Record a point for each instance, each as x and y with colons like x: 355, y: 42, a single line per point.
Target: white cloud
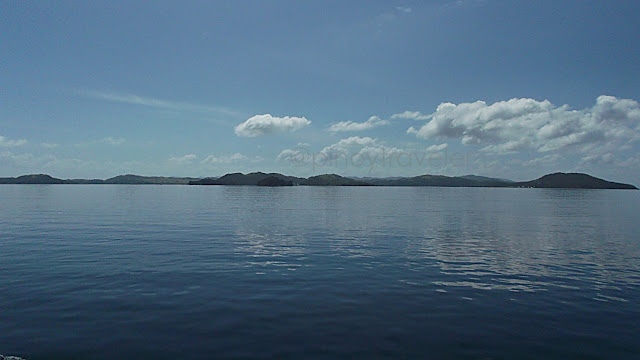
x: 266, y: 124
x: 546, y: 160
x: 357, y: 148
x: 598, y: 159
x: 49, y: 145
x: 293, y: 156
x: 456, y: 4
x: 438, y: 147
x: 404, y: 9
x: 155, y: 103
x: 346, y: 145
x: 412, y: 115
x: 518, y: 124
x: 373, y: 121
x: 4, y: 142
x: 186, y: 159
x: 224, y: 159
x: 113, y: 141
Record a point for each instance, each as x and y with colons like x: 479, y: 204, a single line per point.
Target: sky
x: 358, y: 88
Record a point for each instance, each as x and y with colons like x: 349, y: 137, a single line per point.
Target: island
x: 556, y: 180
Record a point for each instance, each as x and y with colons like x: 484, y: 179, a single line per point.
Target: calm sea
x: 187, y: 272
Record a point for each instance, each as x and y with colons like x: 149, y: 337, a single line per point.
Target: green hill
x: 130, y: 179
x: 572, y: 181
x: 274, y: 181
x: 32, y: 179
x: 245, y: 179
x: 557, y: 180
x: 334, y: 180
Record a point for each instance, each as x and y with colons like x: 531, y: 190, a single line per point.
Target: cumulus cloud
x: 598, y: 159
x: 224, y: 159
x: 546, y: 160
x: 345, y: 148
x: 186, y: 159
x: 357, y: 148
x: 5, y: 142
x: 373, y: 121
x: 438, y: 147
x: 266, y: 124
x: 412, y: 115
x: 520, y: 123
x: 346, y: 145
x: 113, y: 141
x: 293, y: 156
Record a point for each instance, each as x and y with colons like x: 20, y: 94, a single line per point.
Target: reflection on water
x: 326, y: 272
x: 559, y: 239
x: 270, y: 252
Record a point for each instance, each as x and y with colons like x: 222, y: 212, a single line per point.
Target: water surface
x: 166, y: 272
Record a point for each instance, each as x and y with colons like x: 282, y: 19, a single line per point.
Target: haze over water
x: 168, y: 272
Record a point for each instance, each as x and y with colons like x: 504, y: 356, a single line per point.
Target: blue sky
x: 498, y: 88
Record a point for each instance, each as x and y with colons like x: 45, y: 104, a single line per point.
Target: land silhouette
x: 555, y: 180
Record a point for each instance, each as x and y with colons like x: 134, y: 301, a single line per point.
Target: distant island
x: 120, y: 179
x: 556, y: 180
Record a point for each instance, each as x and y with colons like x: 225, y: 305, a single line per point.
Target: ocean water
x: 187, y: 272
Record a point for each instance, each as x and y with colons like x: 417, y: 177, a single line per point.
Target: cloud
x: 345, y: 148
x: 182, y: 160
x: 598, y: 159
x: 413, y: 115
x: 346, y: 145
x: 293, y: 156
x: 546, y: 160
x: 373, y: 121
x: 8, y: 158
x: 266, y: 124
x: 113, y: 141
x: 4, y: 142
x: 404, y: 9
x: 49, y: 145
x: 462, y: 3
x: 438, y: 147
x: 520, y: 123
x: 155, y: 103
x: 356, y: 148
x: 223, y: 159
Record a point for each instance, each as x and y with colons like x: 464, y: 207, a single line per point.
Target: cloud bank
x: 413, y: 115
x: 267, y: 124
x: 527, y: 124
x: 183, y: 160
x: 4, y: 142
x: 373, y: 121
x: 223, y: 159
x: 113, y: 141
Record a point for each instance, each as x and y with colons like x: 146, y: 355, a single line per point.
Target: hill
x: 440, y: 180
x: 334, y: 180
x: 258, y: 178
x: 485, y: 178
x: 121, y: 179
x: 245, y: 179
x: 557, y: 180
x: 572, y: 181
x: 274, y: 181
x: 32, y: 179
x: 130, y: 179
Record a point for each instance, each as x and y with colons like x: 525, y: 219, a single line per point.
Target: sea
x: 245, y: 272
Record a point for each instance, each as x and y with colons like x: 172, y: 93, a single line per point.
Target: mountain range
x: 556, y: 180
